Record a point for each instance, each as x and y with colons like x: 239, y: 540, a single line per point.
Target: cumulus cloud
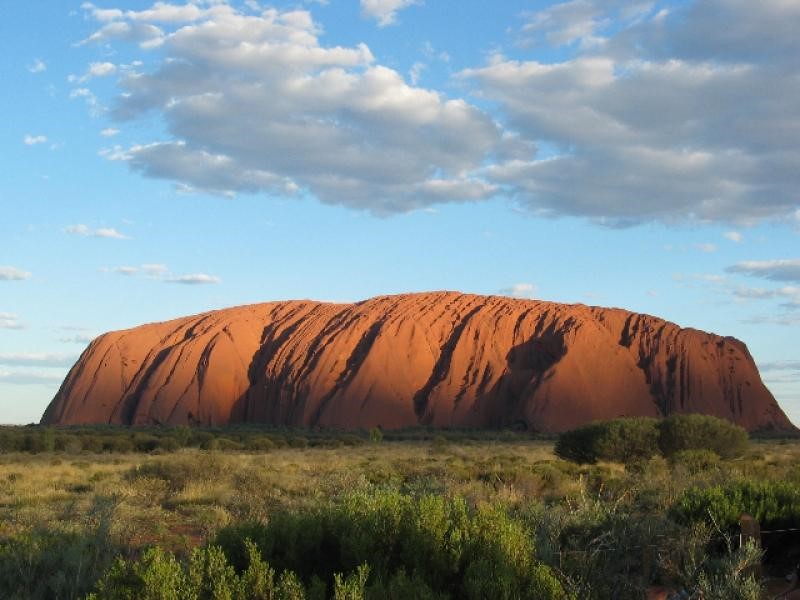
x: 706, y: 247
x: 10, y: 321
x: 109, y: 132
x: 581, y: 22
x: 37, y: 66
x: 652, y: 116
x: 786, y: 269
x: 102, y: 232
x: 13, y: 274
x: 33, y: 140
x: 194, y: 279
x: 385, y: 11
x: 256, y: 104
x: 519, y: 290
x: 96, y: 69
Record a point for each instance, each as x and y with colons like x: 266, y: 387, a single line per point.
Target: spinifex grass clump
x: 640, y: 438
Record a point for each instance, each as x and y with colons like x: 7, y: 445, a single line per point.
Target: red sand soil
x: 443, y: 359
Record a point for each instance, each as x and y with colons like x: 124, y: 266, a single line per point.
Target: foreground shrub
x: 158, y: 575
x: 620, y: 440
x: 431, y: 545
x: 771, y: 503
x: 43, y: 564
x: 701, y: 432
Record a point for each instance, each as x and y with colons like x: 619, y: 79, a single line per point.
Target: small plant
x: 375, y: 435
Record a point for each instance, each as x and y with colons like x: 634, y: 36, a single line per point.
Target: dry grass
x: 179, y: 499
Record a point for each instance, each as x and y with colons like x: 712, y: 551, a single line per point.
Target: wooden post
x: 751, y: 533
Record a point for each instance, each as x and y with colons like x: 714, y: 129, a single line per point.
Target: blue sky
x: 165, y: 159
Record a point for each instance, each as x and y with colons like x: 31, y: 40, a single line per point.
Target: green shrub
x: 221, y: 444
x: 352, y: 586
x: 158, y: 575
x: 51, y: 564
x: 695, y: 461
x: 448, y: 550
x: 640, y: 438
x: 772, y: 504
x: 375, y: 435
x: 259, y: 444
x: 620, y: 440
x: 701, y: 432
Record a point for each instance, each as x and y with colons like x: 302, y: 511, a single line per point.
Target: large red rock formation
x: 443, y: 359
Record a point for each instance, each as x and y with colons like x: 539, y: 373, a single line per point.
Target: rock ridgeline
x: 439, y: 359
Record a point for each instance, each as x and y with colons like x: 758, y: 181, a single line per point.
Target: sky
x: 160, y: 160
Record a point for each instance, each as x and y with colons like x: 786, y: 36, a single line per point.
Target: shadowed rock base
x: 442, y: 359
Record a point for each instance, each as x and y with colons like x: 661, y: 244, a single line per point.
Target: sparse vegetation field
x: 253, y: 513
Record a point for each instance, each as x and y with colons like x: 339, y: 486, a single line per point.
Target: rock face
x: 442, y: 359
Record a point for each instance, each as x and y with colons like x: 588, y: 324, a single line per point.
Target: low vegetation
x: 418, y: 514
x: 631, y: 439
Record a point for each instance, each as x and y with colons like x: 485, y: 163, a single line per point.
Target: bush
x: 259, y: 444
x: 695, y: 461
x: 158, y: 575
x: 772, y: 504
x: 701, y: 432
x: 620, y: 440
x: 375, y: 435
x: 448, y: 550
x: 42, y: 564
x: 640, y: 438
x: 222, y: 444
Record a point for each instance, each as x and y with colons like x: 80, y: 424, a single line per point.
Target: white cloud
x: 10, y: 321
x: 255, y: 104
x: 78, y: 338
x: 780, y: 365
x: 33, y: 140
x: 12, y: 274
x: 194, y: 279
x: 385, y: 11
x: 37, y: 66
x: 101, y: 69
x: 581, y: 22
x: 161, y: 272
x: 37, y: 359
x: 109, y: 132
x: 155, y: 270
x: 30, y: 378
x: 415, y: 72
x: 787, y: 269
x: 102, y: 232
x: 652, y: 116
x: 733, y: 236
x: 520, y: 290
x: 125, y: 270
x: 706, y: 247
x: 785, y: 320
